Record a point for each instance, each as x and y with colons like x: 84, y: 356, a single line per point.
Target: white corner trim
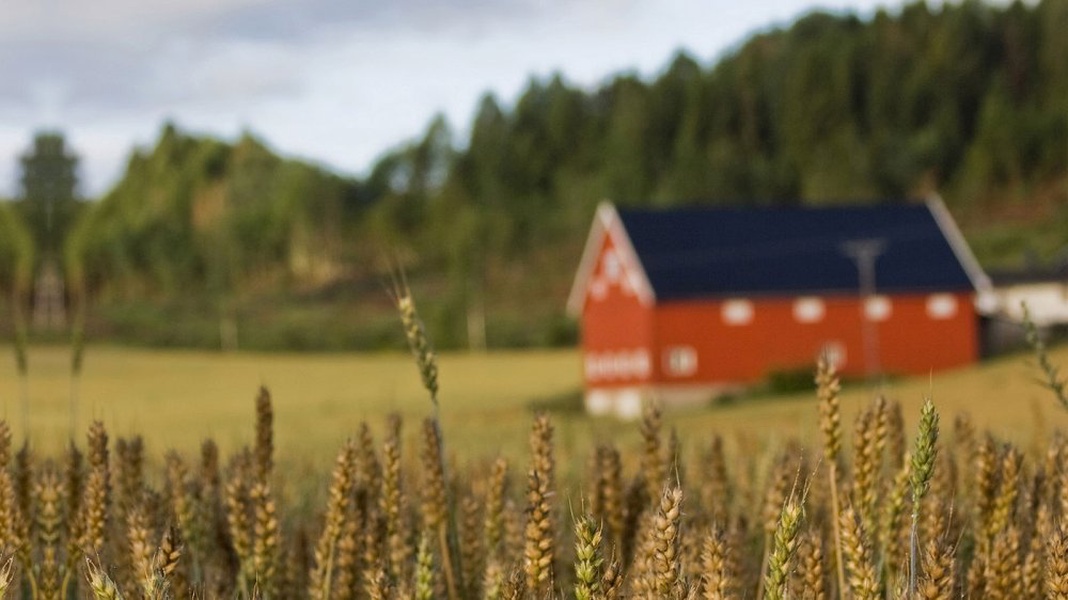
x: 980, y: 280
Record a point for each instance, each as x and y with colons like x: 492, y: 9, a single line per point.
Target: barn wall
x: 614, y: 318
x: 928, y: 344
x: 775, y: 338
x: 616, y: 335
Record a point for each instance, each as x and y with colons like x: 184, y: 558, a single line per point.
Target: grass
x: 178, y: 398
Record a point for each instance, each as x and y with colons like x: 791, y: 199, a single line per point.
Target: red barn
x: 685, y: 304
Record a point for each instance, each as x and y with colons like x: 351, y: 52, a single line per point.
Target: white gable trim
x: 980, y: 280
x: 606, y: 222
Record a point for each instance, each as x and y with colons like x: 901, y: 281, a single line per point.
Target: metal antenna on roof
x: 864, y: 253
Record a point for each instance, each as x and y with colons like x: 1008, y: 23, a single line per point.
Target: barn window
x: 612, y: 267
x: 941, y: 306
x: 808, y: 310
x: 737, y: 312
x: 639, y: 364
x: 681, y: 361
x: 877, y: 308
x: 623, y: 364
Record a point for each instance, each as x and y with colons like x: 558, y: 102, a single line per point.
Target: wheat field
x: 187, y: 479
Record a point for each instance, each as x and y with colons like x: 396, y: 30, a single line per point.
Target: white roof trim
x: 594, y: 240
x: 980, y: 280
x: 606, y: 222
x: 646, y: 294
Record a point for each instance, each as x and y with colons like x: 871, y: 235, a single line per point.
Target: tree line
x: 968, y: 99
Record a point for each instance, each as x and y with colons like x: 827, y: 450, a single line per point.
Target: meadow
x: 176, y: 399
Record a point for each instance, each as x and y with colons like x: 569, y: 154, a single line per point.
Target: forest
x: 205, y: 242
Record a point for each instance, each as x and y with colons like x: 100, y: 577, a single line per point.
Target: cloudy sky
x: 335, y: 81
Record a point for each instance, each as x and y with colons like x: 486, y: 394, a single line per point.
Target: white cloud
x: 338, y: 81
x: 113, y: 20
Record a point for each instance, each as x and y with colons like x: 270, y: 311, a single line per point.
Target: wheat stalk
x: 827, y: 389
x: 667, y: 556
x: 1003, y: 576
x: 426, y: 361
x: 418, y: 341
x: 424, y: 570
x: 811, y: 570
x: 47, y: 494
x: 265, y: 548
x: 922, y: 465
x: 784, y: 546
x: 653, y: 470
x: 165, y: 564
x: 471, y: 550
x: 1057, y: 564
x: 341, y: 489
x: 717, y: 571
x: 716, y: 489
x: 1052, y: 378
x: 939, y: 574
x: 264, y: 448
x: 94, y: 508
x: 539, y: 546
x: 610, y: 492
x: 865, y: 444
x: 391, y: 500
x: 102, y: 586
x: 7, y: 575
x: 588, y: 559
x: 1008, y: 491
x: 858, y: 558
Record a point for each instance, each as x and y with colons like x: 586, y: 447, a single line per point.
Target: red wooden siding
x: 917, y: 344
x: 910, y: 340
x: 616, y: 325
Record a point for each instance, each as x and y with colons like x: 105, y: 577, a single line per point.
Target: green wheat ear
x: 784, y: 546
x: 418, y: 340
x: 922, y: 465
x: 923, y: 456
x: 588, y: 559
x: 1051, y: 373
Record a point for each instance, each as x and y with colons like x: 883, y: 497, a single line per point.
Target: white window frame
x: 809, y: 309
x: 878, y: 308
x: 680, y: 361
x: 738, y: 311
x: 942, y: 307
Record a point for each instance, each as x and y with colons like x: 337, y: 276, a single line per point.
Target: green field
x: 178, y: 398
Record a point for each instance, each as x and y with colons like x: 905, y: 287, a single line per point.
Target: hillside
x: 967, y: 99
x: 196, y: 210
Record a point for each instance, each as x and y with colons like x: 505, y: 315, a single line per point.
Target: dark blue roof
x: 770, y: 251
